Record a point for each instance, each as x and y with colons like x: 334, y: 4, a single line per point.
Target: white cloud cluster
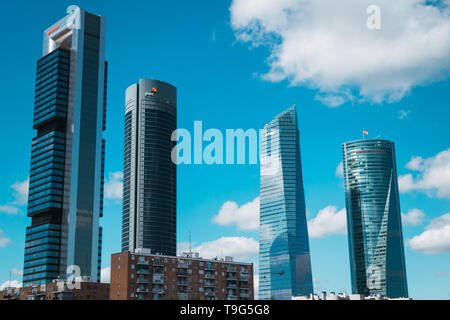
x: 105, y: 275
x: 114, y: 186
x: 8, y: 209
x: 20, y: 194
x: 10, y: 284
x: 433, y: 175
x: 329, y: 221
x: 245, y: 217
x: 414, y: 217
x: 326, y: 45
x: 16, y: 272
x: 240, y: 248
x: 403, y: 114
x: 4, y: 241
x: 340, y: 170
x: 436, y: 237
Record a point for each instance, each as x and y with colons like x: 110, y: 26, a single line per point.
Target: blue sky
x: 230, y: 75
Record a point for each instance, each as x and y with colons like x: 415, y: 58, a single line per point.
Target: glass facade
x: 150, y: 176
x: 284, y: 256
x: 67, y: 157
x: 377, y: 258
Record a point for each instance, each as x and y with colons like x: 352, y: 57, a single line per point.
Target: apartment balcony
x: 183, y: 296
x: 232, y: 285
x: 210, y: 268
x: 231, y: 269
x: 142, y: 290
x: 210, y: 293
x: 244, y: 295
x: 232, y: 297
x: 182, y: 266
x: 182, y: 284
x: 158, y: 271
x: 231, y: 277
x: 209, y: 276
x: 143, y: 271
x: 210, y: 284
x: 244, y: 278
x: 143, y: 263
x: 158, y: 262
x: 142, y: 280
x: 158, y: 291
x: 158, y: 281
x: 182, y: 274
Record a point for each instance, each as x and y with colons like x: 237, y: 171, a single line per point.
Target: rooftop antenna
x: 190, y: 242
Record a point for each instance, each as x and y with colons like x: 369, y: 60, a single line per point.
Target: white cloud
x: 10, y: 284
x: 326, y: 45
x: 114, y: 186
x: 329, y: 221
x: 414, y: 217
x: 340, y: 170
x: 240, y: 248
x: 8, y: 209
x: 433, y: 175
x: 16, y: 272
x: 436, y: 237
x: 415, y: 164
x: 402, y: 114
x: 4, y: 241
x: 21, y: 192
x: 105, y: 275
x: 245, y: 217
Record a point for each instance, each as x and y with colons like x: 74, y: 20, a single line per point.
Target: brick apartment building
x: 55, y: 291
x: 141, y: 275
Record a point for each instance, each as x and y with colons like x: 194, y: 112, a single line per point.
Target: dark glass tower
x: 284, y: 258
x: 150, y: 176
x: 67, y: 158
x: 377, y: 259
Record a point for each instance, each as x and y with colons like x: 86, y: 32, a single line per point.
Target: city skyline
x: 239, y: 98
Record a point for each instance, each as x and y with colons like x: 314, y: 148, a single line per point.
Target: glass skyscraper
x: 284, y: 258
x: 67, y: 157
x: 149, y: 175
x: 377, y: 259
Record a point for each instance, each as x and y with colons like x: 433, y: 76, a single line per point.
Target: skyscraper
x: 284, y: 258
x: 150, y: 176
x: 67, y: 157
x: 377, y: 259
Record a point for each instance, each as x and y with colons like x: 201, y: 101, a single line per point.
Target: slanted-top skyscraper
x: 284, y: 258
x: 149, y: 175
x: 67, y: 157
x: 377, y: 259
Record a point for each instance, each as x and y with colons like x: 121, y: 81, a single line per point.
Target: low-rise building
x: 344, y: 296
x: 59, y: 290
x: 140, y: 275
